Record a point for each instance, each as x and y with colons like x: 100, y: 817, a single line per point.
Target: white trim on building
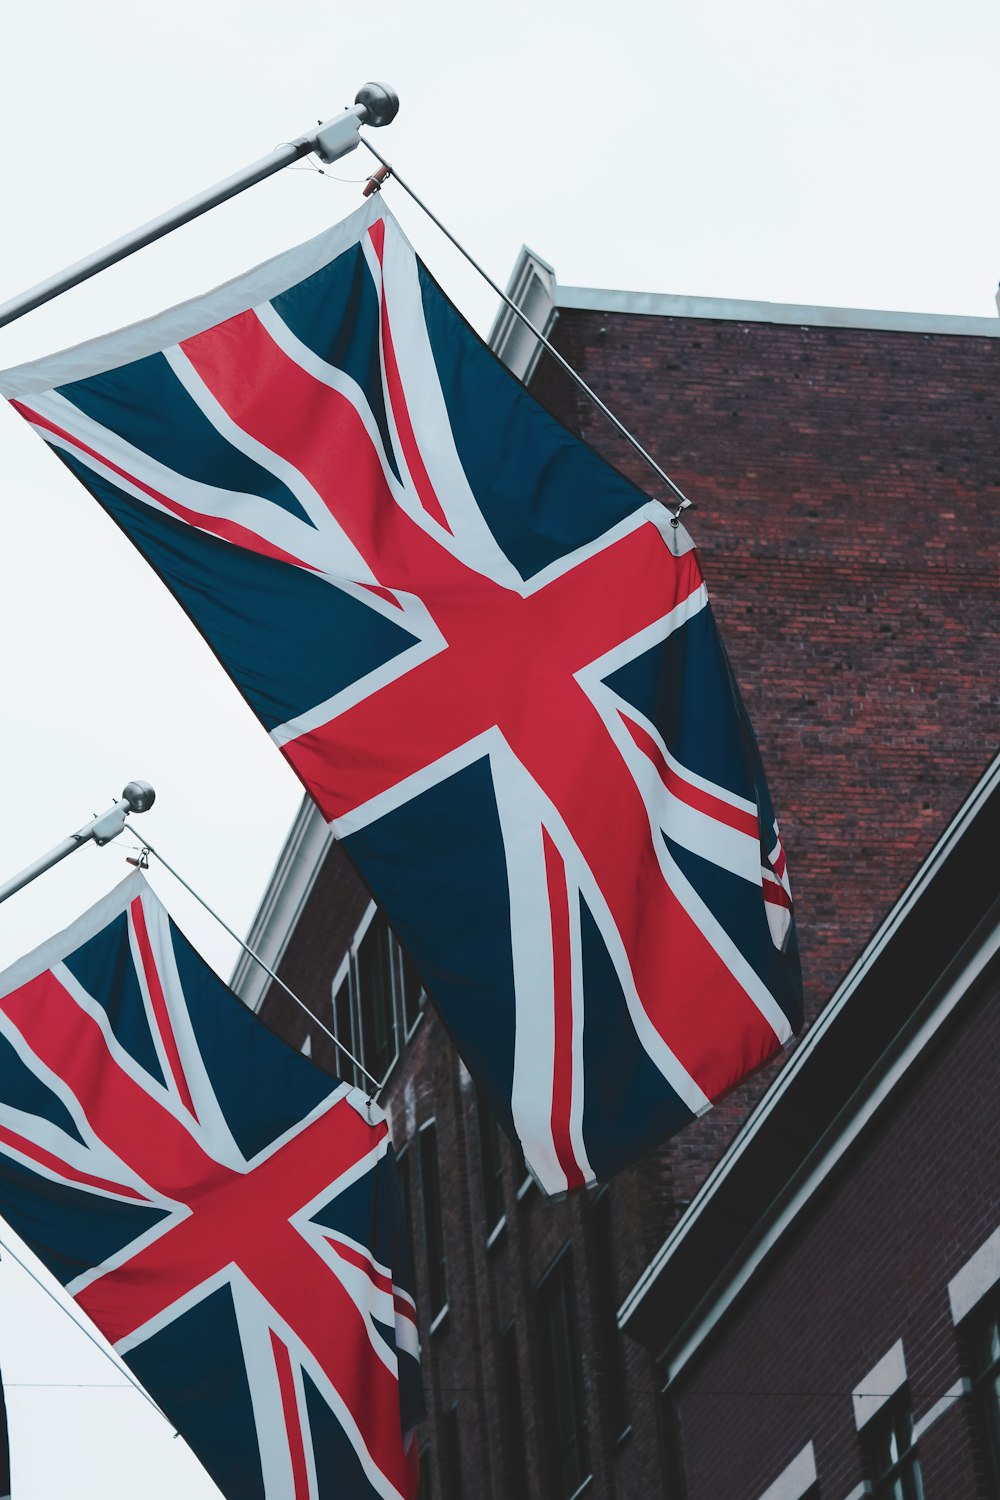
x: 978, y: 1276
x: 796, y: 1478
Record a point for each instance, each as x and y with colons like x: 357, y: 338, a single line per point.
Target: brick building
x: 831, y: 1301
x: 845, y: 474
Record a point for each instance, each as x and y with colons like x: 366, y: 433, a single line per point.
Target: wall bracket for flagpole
x: 137, y: 797
x: 375, y: 104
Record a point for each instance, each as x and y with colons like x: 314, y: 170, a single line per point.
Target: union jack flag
x: 491, y: 661
x: 226, y: 1213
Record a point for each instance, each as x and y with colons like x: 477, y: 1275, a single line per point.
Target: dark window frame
x: 342, y: 1019
x: 411, y: 1011
x: 426, y: 1491
x: 568, y: 1457
x: 450, y: 1454
x: 513, y: 1446
x: 523, y: 1180
x: 375, y: 930
x: 609, y: 1342
x: 890, y: 1452
x: 980, y: 1335
x: 490, y: 1169
x: 352, y: 1019
x: 404, y: 1172
x: 435, y: 1255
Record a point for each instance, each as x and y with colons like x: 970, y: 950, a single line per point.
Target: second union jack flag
x: 226, y: 1213
x: 491, y: 661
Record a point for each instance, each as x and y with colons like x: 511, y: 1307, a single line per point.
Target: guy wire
x: 682, y: 501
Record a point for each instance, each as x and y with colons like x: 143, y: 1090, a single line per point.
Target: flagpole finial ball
x: 139, y: 795
x: 381, y: 102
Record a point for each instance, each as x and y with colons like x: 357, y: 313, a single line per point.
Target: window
x: 375, y: 982
x: 609, y: 1339
x: 984, y: 1349
x: 564, y: 1412
x: 491, y: 1163
x: 343, y: 1025
x: 512, y: 1456
x: 451, y: 1455
x: 891, y: 1460
x: 377, y: 994
x: 406, y: 1189
x: 426, y: 1479
x: 522, y: 1177
x: 413, y: 992
x: 430, y: 1187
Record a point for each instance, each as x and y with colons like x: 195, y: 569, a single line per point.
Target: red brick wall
x: 846, y: 485
x: 847, y: 492
x: 869, y: 1265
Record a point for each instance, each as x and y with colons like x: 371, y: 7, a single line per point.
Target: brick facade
x: 847, y: 491
x: 871, y: 1265
x: 847, y: 487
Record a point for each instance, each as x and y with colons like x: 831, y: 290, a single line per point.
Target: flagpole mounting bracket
x: 375, y: 104
x: 138, y: 797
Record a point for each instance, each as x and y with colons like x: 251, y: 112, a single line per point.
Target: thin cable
x: 377, y: 1087
x: 682, y: 500
x: 122, y: 1369
x: 69, y: 1385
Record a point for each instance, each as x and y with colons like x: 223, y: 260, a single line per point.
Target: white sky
x: 822, y: 151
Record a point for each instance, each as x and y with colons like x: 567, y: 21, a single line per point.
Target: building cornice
x: 287, y: 891
x: 731, y: 310
x: 532, y: 288
x: 536, y: 291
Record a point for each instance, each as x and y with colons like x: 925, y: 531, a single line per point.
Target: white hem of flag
x: 153, y: 335
x: 86, y: 926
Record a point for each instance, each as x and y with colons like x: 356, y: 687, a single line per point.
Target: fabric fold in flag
x: 226, y: 1213
x: 490, y: 659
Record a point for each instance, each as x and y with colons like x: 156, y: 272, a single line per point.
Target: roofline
x: 285, y: 895
x: 726, y: 309
x: 534, y: 288
x: 778, y: 1214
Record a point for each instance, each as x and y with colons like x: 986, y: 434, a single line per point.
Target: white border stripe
x: 267, y: 280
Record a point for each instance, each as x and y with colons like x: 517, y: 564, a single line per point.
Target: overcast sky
x: 793, y: 150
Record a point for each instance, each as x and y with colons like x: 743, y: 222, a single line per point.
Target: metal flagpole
x: 375, y: 104
x: 137, y: 797
x: 148, y: 848
x: 683, y: 503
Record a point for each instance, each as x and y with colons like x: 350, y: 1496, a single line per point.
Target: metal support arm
x: 376, y: 104
x: 137, y: 797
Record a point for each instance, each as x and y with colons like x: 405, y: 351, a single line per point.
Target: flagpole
x: 375, y: 185
x: 375, y: 104
x: 137, y: 797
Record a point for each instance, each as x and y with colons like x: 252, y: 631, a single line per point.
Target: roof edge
x: 290, y: 884
x: 733, y: 310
